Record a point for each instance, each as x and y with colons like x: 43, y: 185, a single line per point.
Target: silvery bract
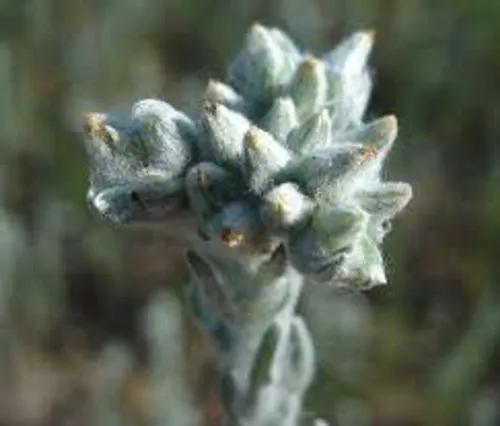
x: 282, y: 176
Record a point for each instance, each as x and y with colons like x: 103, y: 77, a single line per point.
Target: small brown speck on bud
x: 367, y: 153
x: 309, y: 65
x: 231, y: 238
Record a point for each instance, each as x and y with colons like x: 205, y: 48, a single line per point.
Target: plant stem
x: 264, y: 351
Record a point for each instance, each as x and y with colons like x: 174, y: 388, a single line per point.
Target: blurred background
x: 93, y: 324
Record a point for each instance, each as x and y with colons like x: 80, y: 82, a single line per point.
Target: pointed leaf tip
x: 386, y: 127
x: 218, y: 92
x: 367, y: 38
x: 377, y: 135
x: 351, y: 55
x: 386, y: 199
x: 258, y: 30
x: 96, y: 127
x: 363, y: 267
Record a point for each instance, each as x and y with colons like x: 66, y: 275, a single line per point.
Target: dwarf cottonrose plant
x: 275, y: 185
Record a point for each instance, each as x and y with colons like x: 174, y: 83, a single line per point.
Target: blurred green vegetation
x: 74, y: 346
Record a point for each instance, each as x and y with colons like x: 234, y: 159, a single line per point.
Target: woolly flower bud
x: 349, y: 80
x: 280, y: 119
x: 324, y: 241
x: 264, y: 65
x: 309, y: 87
x: 114, y: 152
x: 166, y: 133
x: 351, y: 54
x: 265, y: 157
x: 287, y: 46
x: 330, y: 173
x: 209, y: 187
x: 314, y: 134
x: 225, y: 130
x: 348, y: 99
x: 220, y: 93
x: 285, y: 206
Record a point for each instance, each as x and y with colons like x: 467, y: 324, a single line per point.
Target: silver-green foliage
x: 281, y: 176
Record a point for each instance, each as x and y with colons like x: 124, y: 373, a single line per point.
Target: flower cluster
x: 279, y: 156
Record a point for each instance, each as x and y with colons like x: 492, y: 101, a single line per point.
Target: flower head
x: 279, y: 156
